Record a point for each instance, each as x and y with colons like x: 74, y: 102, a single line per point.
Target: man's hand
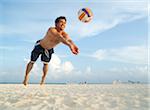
x: 74, y: 49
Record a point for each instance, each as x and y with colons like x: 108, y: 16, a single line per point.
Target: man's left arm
x: 68, y: 39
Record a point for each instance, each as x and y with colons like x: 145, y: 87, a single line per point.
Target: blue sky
x: 113, y: 46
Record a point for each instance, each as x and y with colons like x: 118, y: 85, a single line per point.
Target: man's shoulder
x: 65, y: 35
x: 52, y: 29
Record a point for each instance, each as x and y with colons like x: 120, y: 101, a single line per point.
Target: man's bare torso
x: 50, y: 40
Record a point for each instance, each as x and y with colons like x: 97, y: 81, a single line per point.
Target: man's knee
x: 45, y: 63
x: 45, y: 66
x: 31, y: 63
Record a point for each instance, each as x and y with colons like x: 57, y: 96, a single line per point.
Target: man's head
x: 60, y: 22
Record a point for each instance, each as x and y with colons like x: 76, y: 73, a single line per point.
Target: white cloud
x: 64, y: 70
x: 67, y: 67
x: 130, y: 54
x: 109, y: 16
x: 100, y: 54
x: 140, y: 70
x: 59, y: 68
x: 88, y: 70
x: 55, y: 63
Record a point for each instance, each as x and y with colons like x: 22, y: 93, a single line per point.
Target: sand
x: 74, y: 97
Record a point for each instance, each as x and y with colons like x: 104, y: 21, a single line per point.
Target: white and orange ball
x: 85, y: 15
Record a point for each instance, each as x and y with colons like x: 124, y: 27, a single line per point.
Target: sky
x: 113, y: 46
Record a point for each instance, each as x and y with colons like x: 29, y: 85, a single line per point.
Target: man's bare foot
x: 42, y: 83
x: 25, y: 83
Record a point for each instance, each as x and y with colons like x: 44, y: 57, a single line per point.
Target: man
x: 44, y: 47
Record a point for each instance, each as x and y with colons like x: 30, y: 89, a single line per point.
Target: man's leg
x: 28, y: 69
x: 45, y: 70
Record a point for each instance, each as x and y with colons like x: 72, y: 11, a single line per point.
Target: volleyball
x: 85, y: 15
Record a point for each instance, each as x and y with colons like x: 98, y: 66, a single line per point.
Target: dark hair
x: 58, y: 18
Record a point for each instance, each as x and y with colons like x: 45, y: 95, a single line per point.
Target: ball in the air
x: 85, y: 15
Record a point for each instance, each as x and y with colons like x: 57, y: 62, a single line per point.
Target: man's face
x: 61, y: 24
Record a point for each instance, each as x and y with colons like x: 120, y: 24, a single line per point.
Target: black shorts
x: 39, y: 50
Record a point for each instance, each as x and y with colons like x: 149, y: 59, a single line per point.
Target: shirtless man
x: 44, y: 47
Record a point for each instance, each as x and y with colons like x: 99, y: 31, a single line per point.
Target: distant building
x: 116, y: 82
x: 133, y: 82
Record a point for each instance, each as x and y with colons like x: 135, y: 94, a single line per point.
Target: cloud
x: 109, y: 16
x: 136, y: 69
x: 133, y: 73
x: 88, y: 70
x: 100, y: 54
x: 136, y: 72
x: 66, y: 71
x: 129, y: 54
x: 67, y: 67
x: 59, y: 68
x: 55, y: 64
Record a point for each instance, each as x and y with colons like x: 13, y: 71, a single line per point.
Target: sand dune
x: 74, y: 97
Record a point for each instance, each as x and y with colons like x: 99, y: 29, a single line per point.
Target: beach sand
x: 74, y: 97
